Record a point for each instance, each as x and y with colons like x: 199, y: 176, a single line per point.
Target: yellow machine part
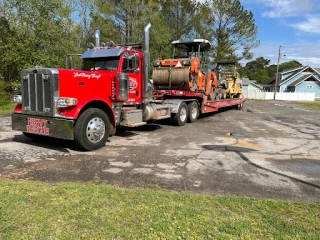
x: 234, y: 87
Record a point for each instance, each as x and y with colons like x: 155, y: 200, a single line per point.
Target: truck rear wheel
x: 91, y: 131
x: 180, y: 118
x: 193, y: 112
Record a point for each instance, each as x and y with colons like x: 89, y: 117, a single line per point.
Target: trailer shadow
x: 225, y: 109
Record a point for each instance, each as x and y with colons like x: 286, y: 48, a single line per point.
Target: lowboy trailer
x: 112, y: 89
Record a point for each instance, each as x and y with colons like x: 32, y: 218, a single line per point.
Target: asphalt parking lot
x: 270, y: 150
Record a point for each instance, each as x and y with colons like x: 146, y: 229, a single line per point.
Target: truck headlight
x: 17, y: 99
x: 66, y: 102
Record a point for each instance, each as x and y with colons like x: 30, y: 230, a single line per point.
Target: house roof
x: 254, y: 83
x: 294, y: 72
x: 271, y: 80
x: 245, y: 81
x: 302, y: 79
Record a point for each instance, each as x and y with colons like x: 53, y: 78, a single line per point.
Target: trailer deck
x: 207, y: 106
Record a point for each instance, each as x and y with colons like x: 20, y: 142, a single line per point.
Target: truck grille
x: 37, y: 92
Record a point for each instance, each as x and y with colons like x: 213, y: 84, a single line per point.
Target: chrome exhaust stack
x: 146, y: 66
x: 97, y: 38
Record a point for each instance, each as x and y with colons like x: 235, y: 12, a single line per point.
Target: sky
x: 293, y: 24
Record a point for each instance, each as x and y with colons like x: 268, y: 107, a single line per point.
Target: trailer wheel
x: 92, y: 129
x: 240, y: 107
x: 180, y: 118
x: 193, y: 112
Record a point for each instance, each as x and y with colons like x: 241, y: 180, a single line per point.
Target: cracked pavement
x: 270, y: 150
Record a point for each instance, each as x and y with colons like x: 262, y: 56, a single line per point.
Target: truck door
x: 132, y: 65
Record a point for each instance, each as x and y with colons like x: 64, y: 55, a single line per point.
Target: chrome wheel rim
x: 183, y: 114
x: 95, y: 130
x: 194, y: 112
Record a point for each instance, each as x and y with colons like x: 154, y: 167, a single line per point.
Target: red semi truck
x: 112, y: 89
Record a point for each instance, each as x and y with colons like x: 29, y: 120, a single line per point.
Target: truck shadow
x: 59, y: 145
x: 129, y: 132
x: 66, y: 145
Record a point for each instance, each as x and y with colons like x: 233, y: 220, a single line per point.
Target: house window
x: 309, y: 86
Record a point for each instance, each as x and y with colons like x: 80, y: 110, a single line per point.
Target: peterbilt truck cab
x: 86, y: 105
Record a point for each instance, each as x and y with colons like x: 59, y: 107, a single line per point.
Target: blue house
x: 302, y: 79
x: 251, y: 85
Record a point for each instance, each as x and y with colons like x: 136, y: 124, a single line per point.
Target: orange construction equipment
x: 186, y: 71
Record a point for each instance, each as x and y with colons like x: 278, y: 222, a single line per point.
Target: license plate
x: 38, y: 126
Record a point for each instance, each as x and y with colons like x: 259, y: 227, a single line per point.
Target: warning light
x: 178, y: 65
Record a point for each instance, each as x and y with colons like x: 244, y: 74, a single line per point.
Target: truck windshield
x: 107, y: 63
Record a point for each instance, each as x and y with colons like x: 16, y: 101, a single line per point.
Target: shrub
x: 5, y: 96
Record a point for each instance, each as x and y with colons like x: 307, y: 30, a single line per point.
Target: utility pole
x: 276, y: 82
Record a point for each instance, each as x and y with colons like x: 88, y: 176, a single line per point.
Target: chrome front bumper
x: 46, y: 126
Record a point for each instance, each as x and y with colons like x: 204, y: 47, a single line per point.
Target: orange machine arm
x: 212, y: 81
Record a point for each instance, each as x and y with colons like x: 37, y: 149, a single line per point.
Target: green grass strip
x: 31, y: 210
x: 308, y: 104
x: 8, y: 108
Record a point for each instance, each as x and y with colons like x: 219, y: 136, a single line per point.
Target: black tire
x: 193, y: 112
x: 240, y: 107
x: 91, y: 131
x: 180, y: 118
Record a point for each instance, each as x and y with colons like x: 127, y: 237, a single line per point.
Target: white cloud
x: 305, y: 53
x: 311, y: 25
x: 287, y: 8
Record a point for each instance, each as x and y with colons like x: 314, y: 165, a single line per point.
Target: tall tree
x: 257, y: 69
x: 233, y: 29
x: 124, y: 21
x: 289, y: 65
x: 38, y: 33
x: 182, y: 16
x: 43, y: 37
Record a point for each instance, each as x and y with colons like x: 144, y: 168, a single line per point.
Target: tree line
x: 261, y: 70
x: 42, y: 32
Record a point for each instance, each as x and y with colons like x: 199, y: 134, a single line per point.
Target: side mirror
x: 137, y: 70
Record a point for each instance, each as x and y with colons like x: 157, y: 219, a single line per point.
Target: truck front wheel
x: 91, y: 131
x: 180, y: 118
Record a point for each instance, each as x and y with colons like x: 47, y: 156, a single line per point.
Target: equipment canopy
x: 191, y: 46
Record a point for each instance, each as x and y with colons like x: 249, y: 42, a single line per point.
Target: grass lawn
x: 32, y: 210
x: 8, y: 108
x: 308, y: 104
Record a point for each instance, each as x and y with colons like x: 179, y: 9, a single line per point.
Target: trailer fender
x: 174, y: 104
